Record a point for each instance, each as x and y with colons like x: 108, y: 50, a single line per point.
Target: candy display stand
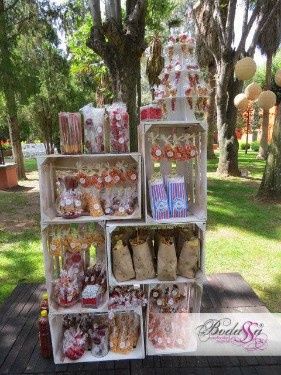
x: 172, y: 150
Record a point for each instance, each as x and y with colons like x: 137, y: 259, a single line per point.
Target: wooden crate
x: 112, y: 228
x: 56, y: 328
x: 48, y: 165
x: 53, y: 265
x: 196, y: 289
x: 194, y: 170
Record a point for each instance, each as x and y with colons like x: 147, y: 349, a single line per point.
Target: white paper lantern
x: 252, y: 91
x: 241, y: 102
x: 278, y: 78
x: 245, y: 69
x: 267, y: 100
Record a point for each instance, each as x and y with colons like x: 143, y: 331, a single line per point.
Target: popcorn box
x: 193, y: 202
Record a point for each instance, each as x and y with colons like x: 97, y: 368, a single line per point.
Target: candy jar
x: 151, y: 112
x: 70, y: 133
x: 69, y: 203
x: 93, y: 129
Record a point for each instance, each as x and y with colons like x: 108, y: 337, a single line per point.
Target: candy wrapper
x: 124, y: 332
x: 142, y: 258
x: 122, y: 263
x: 74, y: 343
x: 188, y: 259
x: 93, y: 129
x: 158, y: 199
x: 69, y: 202
x: 177, y: 196
x: 67, y: 289
x: 93, y: 203
x: 126, y: 296
x: 151, y: 112
x: 100, y: 337
x: 166, y: 260
x: 70, y: 133
x: 119, y: 128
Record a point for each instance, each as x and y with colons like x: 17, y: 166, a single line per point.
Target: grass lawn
x: 243, y: 234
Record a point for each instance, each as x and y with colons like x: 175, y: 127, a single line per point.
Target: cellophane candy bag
x: 119, y: 128
x: 70, y: 133
x: 93, y: 129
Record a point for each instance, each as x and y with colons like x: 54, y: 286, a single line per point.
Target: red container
x: 45, y: 335
x: 151, y: 112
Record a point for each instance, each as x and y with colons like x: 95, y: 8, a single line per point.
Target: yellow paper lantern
x: 278, y: 78
x: 252, y: 91
x: 245, y: 69
x: 267, y: 100
x: 241, y: 102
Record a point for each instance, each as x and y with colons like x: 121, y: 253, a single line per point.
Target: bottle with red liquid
x: 45, y: 335
x: 44, y: 304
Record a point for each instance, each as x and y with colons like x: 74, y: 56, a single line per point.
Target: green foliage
x: 255, y: 146
x: 243, y: 146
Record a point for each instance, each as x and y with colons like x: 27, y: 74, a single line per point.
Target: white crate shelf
x: 196, y: 297
x: 111, y: 227
x: 47, y: 166
x: 56, y: 321
x: 194, y: 170
x: 50, y: 264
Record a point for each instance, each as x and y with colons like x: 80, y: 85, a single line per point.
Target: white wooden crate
x: 47, y: 166
x: 195, y: 300
x: 53, y: 262
x: 194, y: 170
x: 56, y: 328
x: 112, y: 227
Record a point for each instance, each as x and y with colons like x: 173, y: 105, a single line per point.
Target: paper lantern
x: 267, y: 100
x: 252, y: 91
x: 241, y: 102
x: 278, y: 78
x: 245, y: 69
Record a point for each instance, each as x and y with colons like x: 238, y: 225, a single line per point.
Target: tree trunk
x: 211, y: 116
x: 8, y: 82
x: 271, y: 182
x: 263, y: 150
x: 227, y: 89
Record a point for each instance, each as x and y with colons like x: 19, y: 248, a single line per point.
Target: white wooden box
x: 47, y: 166
x: 56, y: 328
x: 52, y: 265
x: 112, y: 228
x: 194, y: 170
x: 195, y: 301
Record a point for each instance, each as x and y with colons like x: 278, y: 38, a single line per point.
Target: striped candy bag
x: 158, y: 199
x: 177, y: 196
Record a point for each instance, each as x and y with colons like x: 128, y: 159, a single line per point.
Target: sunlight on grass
x: 244, y: 235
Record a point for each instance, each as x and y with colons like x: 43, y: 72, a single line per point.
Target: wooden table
x: 19, y: 352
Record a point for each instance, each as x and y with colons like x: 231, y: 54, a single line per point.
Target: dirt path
x: 19, y: 207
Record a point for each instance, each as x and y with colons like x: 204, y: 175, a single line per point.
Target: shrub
x: 243, y: 146
x: 255, y: 146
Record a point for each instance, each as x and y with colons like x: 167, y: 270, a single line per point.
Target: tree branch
x: 95, y: 11
x: 134, y: 18
x: 263, y: 22
x: 219, y: 23
x: 11, y: 6
x: 248, y: 27
x: 118, y: 12
x: 229, y: 28
x: 245, y: 18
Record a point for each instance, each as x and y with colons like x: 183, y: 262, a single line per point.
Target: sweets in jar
x: 93, y: 129
x: 119, y: 128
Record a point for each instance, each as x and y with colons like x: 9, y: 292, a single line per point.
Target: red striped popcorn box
x: 177, y: 196
x: 158, y: 199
